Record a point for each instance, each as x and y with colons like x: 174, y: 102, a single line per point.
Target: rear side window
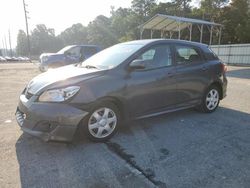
x: 187, y: 55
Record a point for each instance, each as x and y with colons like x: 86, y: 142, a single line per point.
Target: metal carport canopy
x: 176, y: 24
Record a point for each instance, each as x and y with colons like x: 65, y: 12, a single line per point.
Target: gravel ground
x: 181, y: 149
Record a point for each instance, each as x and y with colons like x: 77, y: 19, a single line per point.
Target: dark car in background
x: 66, y: 56
x: 131, y: 80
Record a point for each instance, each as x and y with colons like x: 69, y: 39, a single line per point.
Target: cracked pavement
x: 181, y: 149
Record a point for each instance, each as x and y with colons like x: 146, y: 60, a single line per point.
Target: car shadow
x: 240, y: 73
x: 53, y: 164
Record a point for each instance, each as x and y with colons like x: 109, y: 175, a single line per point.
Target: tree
x: 22, y: 43
x: 183, y: 7
x: 76, y: 34
x: 100, y: 32
x: 210, y: 9
x: 124, y: 23
x: 236, y: 21
x: 43, y: 39
x: 143, y: 7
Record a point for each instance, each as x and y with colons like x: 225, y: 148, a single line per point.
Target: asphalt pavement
x: 180, y: 149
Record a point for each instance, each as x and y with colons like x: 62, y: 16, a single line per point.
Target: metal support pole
x: 220, y: 35
x: 219, y: 40
x: 201, y: 35
x: 170, y: 34
x: 6, y: 47
x: 27, y: 27
x: 179, y: 31
x: 141, y: 33
x: 3, y: 48
x: 211, y: 35
x: 10, y: 44
x: 152, y: 32
x: 190, y: 32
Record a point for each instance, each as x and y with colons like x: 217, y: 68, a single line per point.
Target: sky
x: 57, y: 14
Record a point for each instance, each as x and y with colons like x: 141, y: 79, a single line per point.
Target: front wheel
x: 210, y: 100
x: 102, y: 122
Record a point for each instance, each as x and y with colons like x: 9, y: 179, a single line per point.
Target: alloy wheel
x: 102, y: 122
x: 212, y: 99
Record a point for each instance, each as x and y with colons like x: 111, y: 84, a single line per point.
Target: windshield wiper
x: 90, y: 67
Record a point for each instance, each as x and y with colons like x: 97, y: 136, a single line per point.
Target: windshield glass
x: 64, y: 49
x: 111, y: 57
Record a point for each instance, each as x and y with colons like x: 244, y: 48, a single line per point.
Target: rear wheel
x: 210, y: 100
x: 102, y: 122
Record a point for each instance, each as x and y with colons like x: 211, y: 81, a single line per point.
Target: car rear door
x: 191, y: 74
x: 153, y: 88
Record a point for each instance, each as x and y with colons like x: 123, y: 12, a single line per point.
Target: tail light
x: 223, y: 67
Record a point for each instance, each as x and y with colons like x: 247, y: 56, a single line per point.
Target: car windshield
x: 111, y: 57
x: 62, y: 51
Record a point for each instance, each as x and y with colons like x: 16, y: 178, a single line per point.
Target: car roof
x: 84, y: 45
x: 155, y: 41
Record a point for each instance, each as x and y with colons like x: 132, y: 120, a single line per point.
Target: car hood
x: 51, y: 55
x: 46, y: 54
x: 60, y: 77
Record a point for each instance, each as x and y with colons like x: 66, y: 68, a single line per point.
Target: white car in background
x: 2, y: 59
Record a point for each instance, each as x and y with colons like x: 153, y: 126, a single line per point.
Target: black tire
x: 203, y: 107
x: 86, y: 120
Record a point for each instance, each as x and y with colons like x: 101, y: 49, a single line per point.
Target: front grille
x: 20, y: 117
x: 28, y: 95
x: 24, y: 91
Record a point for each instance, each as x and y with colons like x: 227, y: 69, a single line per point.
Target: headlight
x: 58, y: 95
x: 45, y: 58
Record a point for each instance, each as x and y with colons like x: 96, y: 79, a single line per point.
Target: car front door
x: 152, y: 88
x: 191, y: 74
x: 73, y: 55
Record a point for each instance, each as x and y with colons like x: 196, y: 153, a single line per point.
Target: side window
x: 156, y: 57
x: 148, y: 55
x: 74, y: 52
x: 88, y: 51
x: 187, y: 55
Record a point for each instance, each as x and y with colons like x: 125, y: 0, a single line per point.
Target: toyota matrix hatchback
x: 131, y: 80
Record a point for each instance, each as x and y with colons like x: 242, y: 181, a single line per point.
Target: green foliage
x: 100, y: 32
x: 123, y: 24
x: 143, y: 8
x: 76, y: 34
x: 22, y: 43
x: 43, y: 39
x: 236, y: 19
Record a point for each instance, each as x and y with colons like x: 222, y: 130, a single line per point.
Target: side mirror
x: 137, y: 64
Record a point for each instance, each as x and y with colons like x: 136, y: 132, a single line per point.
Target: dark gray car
x: 130, y: 80
x: 66, y: 56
